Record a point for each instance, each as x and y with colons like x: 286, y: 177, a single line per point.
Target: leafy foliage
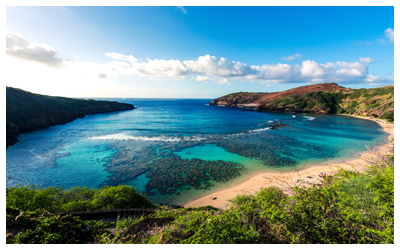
x: 350, y: 207
x: 33, y: 198
x: 45, y: 228
x: 388, y: 115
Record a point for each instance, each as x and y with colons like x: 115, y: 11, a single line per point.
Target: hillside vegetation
x: 349, y: 207
x: 328, y: 98
x: 26, y: 111
x: 368, y: 102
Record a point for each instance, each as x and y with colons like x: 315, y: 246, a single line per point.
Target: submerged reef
x: 169, y: 174
x: 274, y: 150
x: 173, y: 173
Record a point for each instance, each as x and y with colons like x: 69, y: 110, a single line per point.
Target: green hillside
x: 377, y: 102
x: 27, y: 111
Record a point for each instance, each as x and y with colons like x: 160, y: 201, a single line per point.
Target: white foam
x: 164, y: 138
x: 259, y: 130
x: 124, y: 137
x: 310, y: 118
x: 294, y: 116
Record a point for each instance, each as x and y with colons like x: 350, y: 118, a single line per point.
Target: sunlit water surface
x: 175, y: 150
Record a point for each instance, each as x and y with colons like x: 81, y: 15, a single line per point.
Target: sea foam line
x: 310, y: 118
x: 124, y: 137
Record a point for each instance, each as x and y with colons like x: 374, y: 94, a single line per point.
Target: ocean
x: 176, y: 150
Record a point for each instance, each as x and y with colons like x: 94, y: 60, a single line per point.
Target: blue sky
x: 196, y: 52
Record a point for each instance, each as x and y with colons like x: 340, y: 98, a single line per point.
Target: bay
x: 174, y: 150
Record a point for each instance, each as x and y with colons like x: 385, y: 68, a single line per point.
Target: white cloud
x: 361, y: 43
x: 204, y: 79
x: 389, y: 33
x: 122, y: 57
x: 18, y: 47
x: 205, y: 68
x: 291, y: 58
x: 183, y: 9
x: 378, y: 79
x: 269, y: 86
x: 366, y: 60
x: 223, y: 81
x: 209, y: 68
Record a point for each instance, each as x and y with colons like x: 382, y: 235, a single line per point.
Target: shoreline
x: 285, y: 180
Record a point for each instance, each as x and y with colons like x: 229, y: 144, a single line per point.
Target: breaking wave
x: 259, y: 130
x: 310, y: 118
x: 165, y: 138
x: 124, y: 137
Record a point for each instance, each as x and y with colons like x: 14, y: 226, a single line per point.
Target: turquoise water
x: 174, y: 150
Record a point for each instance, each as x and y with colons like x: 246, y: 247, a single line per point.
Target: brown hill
x: 255, y: 100
x: 324, y: 98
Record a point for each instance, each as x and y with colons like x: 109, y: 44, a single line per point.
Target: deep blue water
x: 174, y: 150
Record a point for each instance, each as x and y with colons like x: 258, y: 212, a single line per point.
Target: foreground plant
x: 349, y: 207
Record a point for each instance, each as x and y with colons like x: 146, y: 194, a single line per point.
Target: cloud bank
x: 210, y: 68
x: 20, y: 48
x: 205, y: 68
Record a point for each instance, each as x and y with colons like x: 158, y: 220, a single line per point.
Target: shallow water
x: 174, y: 150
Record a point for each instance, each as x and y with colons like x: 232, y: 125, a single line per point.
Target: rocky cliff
x: 324, y: 98
x: 27, y: 111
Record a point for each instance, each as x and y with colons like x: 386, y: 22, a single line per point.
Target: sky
x: 195, y: 52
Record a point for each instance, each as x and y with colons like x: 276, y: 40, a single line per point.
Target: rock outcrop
x: 27, y: 112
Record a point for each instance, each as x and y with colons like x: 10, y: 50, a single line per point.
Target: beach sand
x: 286, y: 180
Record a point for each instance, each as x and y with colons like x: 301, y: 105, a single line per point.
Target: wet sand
x: 286, y: 180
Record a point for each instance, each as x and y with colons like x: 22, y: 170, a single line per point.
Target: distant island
x: 324, y: 98
x: 27, y: 111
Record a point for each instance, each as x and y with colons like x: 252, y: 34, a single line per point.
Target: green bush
x: 53, y: 199
x: 45, y: 228
x: 388, y: 115
x: 373, y: 105
x: 356, y: 94
x: 310, y: 105
x: 349, y: 207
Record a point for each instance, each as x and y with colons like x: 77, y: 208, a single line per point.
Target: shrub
x: 388, y: 115
x: 310, y: 105
x: 53, y: 199
x: 45, y: 228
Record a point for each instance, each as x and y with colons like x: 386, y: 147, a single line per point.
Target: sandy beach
x: 285, y: 180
